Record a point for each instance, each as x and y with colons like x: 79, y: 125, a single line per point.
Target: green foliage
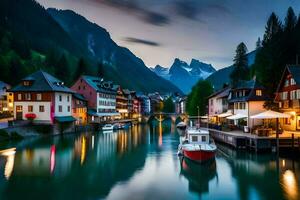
x: 198, y: 97
x: 16, y: 136
x: 241, y: 70
x: 280, y: 47
x: 81, y: 68
x: 169, y: 106
x: 4, y: 134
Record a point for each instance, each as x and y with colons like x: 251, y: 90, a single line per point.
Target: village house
x: 43, y: 99
x: 79, y: 109
x: 6, y: 98
x: 145, y: 105
x: 136, y: 106
x: 101, y: 97
x: 122, y: 102
x: 218, y: 108
x: 247, y: 99
x: 288, y: 97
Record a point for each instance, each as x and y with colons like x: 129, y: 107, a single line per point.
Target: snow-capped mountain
x: 184, y: 75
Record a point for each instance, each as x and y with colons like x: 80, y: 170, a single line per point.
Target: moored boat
x: 107, y: 127
x: 197, y: 145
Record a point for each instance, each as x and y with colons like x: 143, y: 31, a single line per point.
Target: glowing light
x: 83, y: 150
x: 52, y: 158
x: 160, y: 134
x: 290, y: 185
x: 10, y: 160
x: 93, y: 142
x: 10, y: 105
x: 283, y: 163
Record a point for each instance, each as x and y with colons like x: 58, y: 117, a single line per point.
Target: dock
x: 241, y: 140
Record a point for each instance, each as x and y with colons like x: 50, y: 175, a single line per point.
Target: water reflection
x: 139, y: 163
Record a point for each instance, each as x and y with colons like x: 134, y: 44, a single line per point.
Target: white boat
x: 197, y: 145
x: 107, y: 127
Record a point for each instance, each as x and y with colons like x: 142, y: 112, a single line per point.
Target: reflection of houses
x: 79, y: 108
x: 136, y: 106
x: 218, y: 105
x: 248, y: 99
x: 288, y: 97
x: 43, y: 97
x: 101, y: 97
x: 6, y: 98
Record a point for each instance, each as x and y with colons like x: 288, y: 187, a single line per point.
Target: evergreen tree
x: 273, y: 27
x: 81, y: 68
x: 100, y: 70
x: 16, y: 71
x: 169, y: 106
x: 241, y: 70
x: 62, y: 70
x: 198, y: 97
x: 290, y: 20
x: 258, y: 43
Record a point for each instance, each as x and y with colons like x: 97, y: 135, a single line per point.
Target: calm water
x: 140, y: 163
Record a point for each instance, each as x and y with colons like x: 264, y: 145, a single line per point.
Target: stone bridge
x: 161, y: 116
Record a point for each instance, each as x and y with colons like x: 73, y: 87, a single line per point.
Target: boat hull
x: 199, y: 155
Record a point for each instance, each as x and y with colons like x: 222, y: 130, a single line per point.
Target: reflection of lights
x: 160, y: 134
x: 83, y: 150
x: 290, y: 184
x: 10, y: 160
x: 52, y: 158
x: 283, y: 163
x: 93, y: 142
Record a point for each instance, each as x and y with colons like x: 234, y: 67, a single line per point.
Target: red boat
x: 197, y: 145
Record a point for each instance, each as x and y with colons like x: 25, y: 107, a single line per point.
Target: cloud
x: 135, y: 7
x: 141, y: 41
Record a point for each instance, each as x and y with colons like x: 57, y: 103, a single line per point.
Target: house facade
x: 145, y: 105
x: 288, y: 97
x: 100, y: 96
x: 247, y: 99
x: 122, y: 103
x: 6, y: 98
x: 79, y: 109
x: 218, y: 106
x: 42, y: 98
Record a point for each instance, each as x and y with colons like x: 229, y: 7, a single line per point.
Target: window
x: 60, y: 98
x: 69, y: 108
x: 41, y: 108
x: 27, y: 96
x: 293, y: 94
x: 68, y: 98
x: 280, y: 104
x: 194, y: 138
x: 287, y: 121
x: 30, y: 108
x: 83, y: 87
x: 298, y: 94
x: 59, y: 108
x: 39, y: 97
x: 26, y: 83
x: 78, y: 87
x: 203, y: 138
x: 293, y: 82
x: 19, y: 108
x: 19, y: 96
x: 284, y: 95
x: 258, y: 93
x: 286, y: 83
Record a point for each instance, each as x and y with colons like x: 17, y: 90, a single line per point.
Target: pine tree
x: 62, y: 70
x: 273, y: 27
x: 241, y: 70
x: 290, y: 20
x: 258, y: 43
x: 81, y: 68
x: 169, y: 106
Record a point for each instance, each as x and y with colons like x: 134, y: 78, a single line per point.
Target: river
x: 139, y: 163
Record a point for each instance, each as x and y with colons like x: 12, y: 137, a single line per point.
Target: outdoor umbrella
x: 270, y: 114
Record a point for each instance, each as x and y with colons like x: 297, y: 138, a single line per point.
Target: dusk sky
x: 158, y: 31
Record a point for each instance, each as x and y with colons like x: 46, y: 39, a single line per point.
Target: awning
x: 93, y: 113
x: 269, y: 114
x: 226, y: 114
x: 237, y: 116
x: 65, y: 119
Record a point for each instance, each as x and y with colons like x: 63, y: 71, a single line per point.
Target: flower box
x: 30, y: 116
